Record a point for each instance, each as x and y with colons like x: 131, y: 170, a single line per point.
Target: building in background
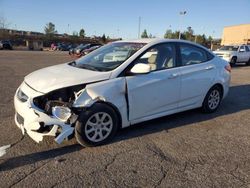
x: 237, y: 34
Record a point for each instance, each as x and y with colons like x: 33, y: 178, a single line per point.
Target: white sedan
x: 92, y: 97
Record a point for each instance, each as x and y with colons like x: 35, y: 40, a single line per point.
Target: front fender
x: 112, y: 91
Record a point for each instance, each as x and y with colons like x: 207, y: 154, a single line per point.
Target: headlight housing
x: 22, y: 96
x: 61, y: 112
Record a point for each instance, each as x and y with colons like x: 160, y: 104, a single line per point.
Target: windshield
x: 229, y: 48
x: 108, y: 57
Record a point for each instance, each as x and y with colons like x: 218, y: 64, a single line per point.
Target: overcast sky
x: 120, y: 18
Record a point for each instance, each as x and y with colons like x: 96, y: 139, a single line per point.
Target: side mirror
x: 140, y: 68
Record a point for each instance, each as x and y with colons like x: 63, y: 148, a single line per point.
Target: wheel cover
x: 214, y: 99
x: 98, y: 126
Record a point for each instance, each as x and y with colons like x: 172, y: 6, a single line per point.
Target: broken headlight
x: 62, y: 113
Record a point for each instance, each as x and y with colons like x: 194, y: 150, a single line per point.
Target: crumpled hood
x: 63, y: 75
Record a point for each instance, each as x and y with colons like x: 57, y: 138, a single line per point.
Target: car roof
x: 153, y: 41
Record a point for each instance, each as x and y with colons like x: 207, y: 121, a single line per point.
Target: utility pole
x: 182, y: 13
x: 211, y: 47
x: 139, y: 27
x: 118, y: 33
x: 68, y: 30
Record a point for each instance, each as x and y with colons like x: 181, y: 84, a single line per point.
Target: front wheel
x: 96, y: 125
x: 233, y: 61
x: 212, y: 100
x: 248, y: 62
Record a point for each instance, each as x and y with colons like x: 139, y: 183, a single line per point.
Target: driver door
x: 156, y: 93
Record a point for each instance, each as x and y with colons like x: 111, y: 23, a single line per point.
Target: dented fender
x: 110, y: 91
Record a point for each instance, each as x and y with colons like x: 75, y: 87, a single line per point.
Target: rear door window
x: 192, y: 55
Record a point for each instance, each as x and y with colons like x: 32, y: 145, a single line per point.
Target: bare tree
x: 3, y: 26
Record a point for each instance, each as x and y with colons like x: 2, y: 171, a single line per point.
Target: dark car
x: 63, y: 47
x: 72, y: 48
x: 78, y: 50
x: 5, y: 44
x: 91, y: 49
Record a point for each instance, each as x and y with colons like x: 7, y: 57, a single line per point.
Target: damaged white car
x: 120, y: 84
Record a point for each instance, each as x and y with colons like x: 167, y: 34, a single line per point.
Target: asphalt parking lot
x: 189, y: 149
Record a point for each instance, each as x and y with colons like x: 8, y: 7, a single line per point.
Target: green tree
x: 49, y: 29
x: 75, y: 33
x: 82, y: 33
x: 201, y: 39
x: 171, y: 35
x: 144, y: 34
x: 210, y: 39
x: 189, y: 33
x: 104, y: 38
x: 168, y: 34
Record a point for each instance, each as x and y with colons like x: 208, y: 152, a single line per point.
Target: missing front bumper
x: 33, y: 129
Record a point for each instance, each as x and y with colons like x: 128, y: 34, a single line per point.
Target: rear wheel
x: 97, y: 125
x: 212, y: 100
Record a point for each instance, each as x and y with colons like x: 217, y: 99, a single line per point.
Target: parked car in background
x: 91, y: 49
x: 234, y: 54
x: 62, y: 47
x: 92, y: 98
x: 73, y: 49
x: 72, y: 46
x: 79, y: 49
x: 5, y: 44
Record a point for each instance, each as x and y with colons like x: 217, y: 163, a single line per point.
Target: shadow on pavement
x: 32, y: 158
x: 238, y: 99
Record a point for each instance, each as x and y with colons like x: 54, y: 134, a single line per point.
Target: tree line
x: 188, y: 34
x: 50, y: 31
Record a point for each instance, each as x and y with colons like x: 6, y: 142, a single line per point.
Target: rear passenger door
x: 241, y: 54
x: 197, y: 74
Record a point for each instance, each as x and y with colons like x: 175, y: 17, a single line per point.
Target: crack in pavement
x: 151, y: 146
x: 107, y: 166
x: 232, y: 173
x: 164, y: 174
x: 29, y: 174
x: 60, y: 182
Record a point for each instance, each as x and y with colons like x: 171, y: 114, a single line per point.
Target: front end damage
x: 55, y: 113
x: 40, y: 115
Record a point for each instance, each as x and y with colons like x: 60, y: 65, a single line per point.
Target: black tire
x: 233, y: 61
x: 87, y: 116
x: 248, y: 62
x: 207, y: 107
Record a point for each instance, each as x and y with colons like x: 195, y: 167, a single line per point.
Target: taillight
x: 228, y: 68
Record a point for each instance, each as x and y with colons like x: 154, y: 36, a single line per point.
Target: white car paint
x: 137, y: 98
x: 145, y: 89
x: 59, y: 76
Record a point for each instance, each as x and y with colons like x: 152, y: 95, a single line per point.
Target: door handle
x: 209, y: 68
x: 172, y: 76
